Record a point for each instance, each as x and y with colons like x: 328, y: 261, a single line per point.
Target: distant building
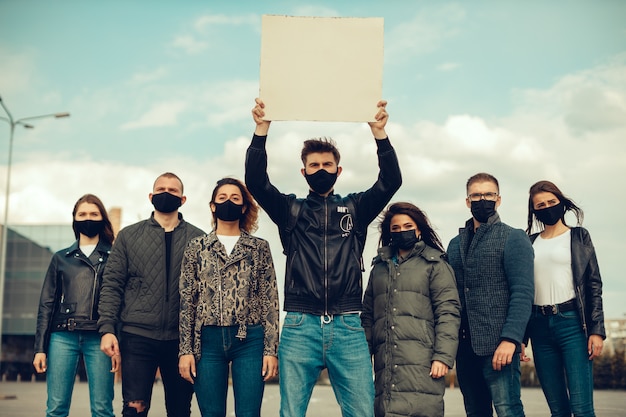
x: 615, y: 335
x: 29, y: 250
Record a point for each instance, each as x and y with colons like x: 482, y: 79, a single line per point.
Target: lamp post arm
x: 3, y: 244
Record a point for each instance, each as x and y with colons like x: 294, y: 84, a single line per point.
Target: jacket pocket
x: 67, y: 308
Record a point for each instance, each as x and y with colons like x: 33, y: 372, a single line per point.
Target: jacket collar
x: 102, y: 247
x: 469, y: 224
x: 153, y: 222
x: 387, y: 253
x: 245, y: 238
x: 315, y: 196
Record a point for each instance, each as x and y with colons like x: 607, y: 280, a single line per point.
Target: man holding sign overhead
x: 323, y: 236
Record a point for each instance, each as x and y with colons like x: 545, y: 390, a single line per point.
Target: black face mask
x: 550, y: 215
x: 89, y: 228
x: 228, y: 211
x: 404, y: 240
x: 166, y: 202
x: 322, y: 181
x: 483, y: 209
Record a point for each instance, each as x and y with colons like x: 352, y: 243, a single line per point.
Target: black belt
x: 73, y: 324
x: 551, y: 310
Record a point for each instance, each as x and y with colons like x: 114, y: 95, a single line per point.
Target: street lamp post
x: 3, y: 249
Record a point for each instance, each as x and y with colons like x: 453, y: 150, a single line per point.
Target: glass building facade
x: 29, y: 250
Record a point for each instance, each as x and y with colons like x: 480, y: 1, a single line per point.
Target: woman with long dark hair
x: 411, y: 315
x: 566, y: 328
x: 229, y: 307
x: 68, y: 313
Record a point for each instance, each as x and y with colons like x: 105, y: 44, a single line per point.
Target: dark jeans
x: 221, y: 347
x: 562, y: 363
x: 141, y: 356
x: 482, y: 386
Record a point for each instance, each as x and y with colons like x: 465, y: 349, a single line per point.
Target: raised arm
x: 258, y: 112
x: 373, y: 201
x: 378, y: 127
x: 269, y: 198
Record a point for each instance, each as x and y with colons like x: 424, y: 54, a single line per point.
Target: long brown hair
x: 419, y: 217
x: 249, y: 221
x: 107, y: 232
x: 545, y: 186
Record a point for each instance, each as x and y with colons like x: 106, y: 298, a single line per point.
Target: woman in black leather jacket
x: 68, y: 314
x: 566, y: 327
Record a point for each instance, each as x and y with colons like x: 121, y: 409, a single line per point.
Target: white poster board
x: 321, y: 68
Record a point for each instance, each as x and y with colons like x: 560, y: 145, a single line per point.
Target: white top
x: 228, y: 242
x: 554, y: 281
x: 88, y: 249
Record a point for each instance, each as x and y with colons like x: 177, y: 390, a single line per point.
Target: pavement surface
x: 19, y: 399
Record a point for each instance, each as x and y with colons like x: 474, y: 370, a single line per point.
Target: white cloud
x: 448, y: 66
x: 206, y: 21
x: 425, y: 33
x: 149, y: 77
x: 161, y: 114
x: 18, y: 71
x: 588, y: 101
x: 317, y: 10
x: 202, y: 34
x: 189, y: 44
x: 472, y: 133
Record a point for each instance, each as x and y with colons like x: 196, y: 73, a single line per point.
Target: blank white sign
x: 321, y: 68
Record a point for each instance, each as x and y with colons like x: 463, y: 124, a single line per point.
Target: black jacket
x: 69, y: 296
x: 325, y: 245
x: 587, y: 282
x: 138, y: 291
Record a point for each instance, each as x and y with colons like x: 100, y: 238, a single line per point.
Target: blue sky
x: 524, y: 90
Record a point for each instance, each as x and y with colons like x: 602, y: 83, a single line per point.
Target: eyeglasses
x: 480, y: 196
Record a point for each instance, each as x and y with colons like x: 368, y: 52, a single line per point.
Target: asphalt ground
x: 19, y: 399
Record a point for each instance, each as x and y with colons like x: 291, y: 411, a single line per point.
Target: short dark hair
x: 107, y: 232
x: 481, y: 177
x: 249, y: 222
x: 170, y: 175
x: 319, y: 145
x: 429, y: 236
x: 545, y: 186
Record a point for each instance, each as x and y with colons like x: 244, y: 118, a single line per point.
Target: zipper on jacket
x: 326, y: 256
x: 581, y: 309
x: 83, y: 258
x: 167, y: 273
x: 220, y: 296
x: 95, y: 286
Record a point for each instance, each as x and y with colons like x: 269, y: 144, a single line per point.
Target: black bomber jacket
x: 324, y: 245
x: 69, y: 296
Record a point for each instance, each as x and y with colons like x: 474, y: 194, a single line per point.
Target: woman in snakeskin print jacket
x: 229, y: 307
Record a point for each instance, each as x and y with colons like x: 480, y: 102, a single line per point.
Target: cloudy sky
x: 524, y: 90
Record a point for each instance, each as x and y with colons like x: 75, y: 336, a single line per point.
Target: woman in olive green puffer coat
x: 411, y: 316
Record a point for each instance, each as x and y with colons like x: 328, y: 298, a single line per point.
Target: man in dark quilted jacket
x: 139, y: 302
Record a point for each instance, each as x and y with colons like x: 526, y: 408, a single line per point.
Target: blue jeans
x: 220, y: 348
x: 482, y: 386
x: 308, y: 345
x: 141, y: 356
x: 63, y: 354
x: 562, y: 363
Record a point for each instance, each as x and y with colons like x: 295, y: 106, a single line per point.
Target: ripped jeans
x: 141, y: 356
